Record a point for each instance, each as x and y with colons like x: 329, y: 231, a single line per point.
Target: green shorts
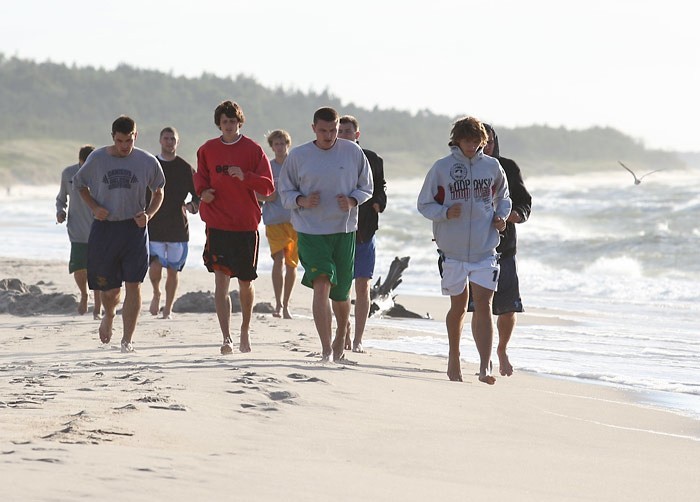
x: 332, y: 255
x: 78, y: 256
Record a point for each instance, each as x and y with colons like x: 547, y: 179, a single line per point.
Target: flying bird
x: 637, y: 181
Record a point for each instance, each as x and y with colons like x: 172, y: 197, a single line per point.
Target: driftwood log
x: 382, y: 295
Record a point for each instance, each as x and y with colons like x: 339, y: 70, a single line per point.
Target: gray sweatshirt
x: 480, y: 185
x: 273, y: 212
x: 119, y: 184
x: 80, y: 217
x: 342, y: 169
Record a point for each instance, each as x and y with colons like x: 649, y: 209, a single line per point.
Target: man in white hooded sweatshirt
x: 466, y: 197
x: 323, y: 182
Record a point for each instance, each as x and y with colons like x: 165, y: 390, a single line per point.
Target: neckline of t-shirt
x: 232, y: 142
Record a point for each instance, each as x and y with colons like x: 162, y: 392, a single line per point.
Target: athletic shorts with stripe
x: 507, y: 298
x: 234, y: 253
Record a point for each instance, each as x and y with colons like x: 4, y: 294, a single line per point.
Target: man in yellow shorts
x: 280, y: 233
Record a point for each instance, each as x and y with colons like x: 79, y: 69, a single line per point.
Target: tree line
x: 47, y: 107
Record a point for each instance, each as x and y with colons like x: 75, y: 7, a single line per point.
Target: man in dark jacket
x: 506, y: 300
x: 367, y: 225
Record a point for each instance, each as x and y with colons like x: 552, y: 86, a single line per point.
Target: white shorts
x: 169, y: 254
x: 457, y: 274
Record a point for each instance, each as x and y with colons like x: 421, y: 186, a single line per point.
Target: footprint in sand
x: 299, y: 377
x: 153, y: 399
x: 282, y: 395
x: 126, y: 407
x: 172, y: 407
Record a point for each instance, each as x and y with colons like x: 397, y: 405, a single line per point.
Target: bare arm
x: 142, y: 218
x: 98, y: 211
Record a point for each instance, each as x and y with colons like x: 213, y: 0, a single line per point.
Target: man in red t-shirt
x: 230, y: 170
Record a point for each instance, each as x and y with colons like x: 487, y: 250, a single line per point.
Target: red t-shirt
x: 235, y: 206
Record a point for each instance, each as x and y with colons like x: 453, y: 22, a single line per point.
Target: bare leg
x: 361, y: 311
x: 348, y: 336
x: 290, y: 279
x: 223, y: 308
x: 482, y: 330
x: 455, y: 322
x: 131, y: 309
x: 80, y: 277
x: 505, y: 324
x: 277, y: 281
x: 171, y: 282
x: 154, y: 274
x: 342, y: 319
x: 110, y: 300
x: 97, y: 309
x: 322, y: 314
x: 247, y: 296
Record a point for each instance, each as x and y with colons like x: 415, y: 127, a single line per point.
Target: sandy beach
x: 175, y: 420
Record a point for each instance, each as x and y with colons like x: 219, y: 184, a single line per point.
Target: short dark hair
x: 85, y: 150
x: 169, y: 129
x: 349, y: 119
x: 124, y: 125
x: 231, y: 109
x: 326, y: 114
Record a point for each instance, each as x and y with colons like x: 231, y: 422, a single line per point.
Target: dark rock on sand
x: 20, y: 299
x: 203, y: 302
x: 195, y: 301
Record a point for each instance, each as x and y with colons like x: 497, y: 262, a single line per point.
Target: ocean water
x: 621, y: 260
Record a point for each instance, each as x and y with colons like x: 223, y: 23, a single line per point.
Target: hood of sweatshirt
x: 457, y: 154
x: 496, y: 149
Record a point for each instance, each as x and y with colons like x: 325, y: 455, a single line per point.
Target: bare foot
x: 105, y: 329
x: 357, y: 347
x: 454, y: 369
x: 338, y: 347
x: 504, y: 366
x: 277, y: 313
x: 486, y: 378
x: 227, y: 346
x: 155, y: 304
x: 127, y: 346
x: 287, y: 313
x: 485, y: 375
x: 83, y: 305
x: 96, y: 315
x: 245, y: 342
x: 326, y: 356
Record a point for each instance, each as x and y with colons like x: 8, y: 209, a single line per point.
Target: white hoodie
x: 480, y: 185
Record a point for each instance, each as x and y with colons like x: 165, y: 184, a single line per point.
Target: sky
x: 633, y: 65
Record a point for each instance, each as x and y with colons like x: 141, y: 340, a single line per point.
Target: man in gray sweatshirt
x: 79, y: 219
x: 323, y: 182
x: 465, y: 195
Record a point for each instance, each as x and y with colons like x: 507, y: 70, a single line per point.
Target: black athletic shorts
x: 235, y: 253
